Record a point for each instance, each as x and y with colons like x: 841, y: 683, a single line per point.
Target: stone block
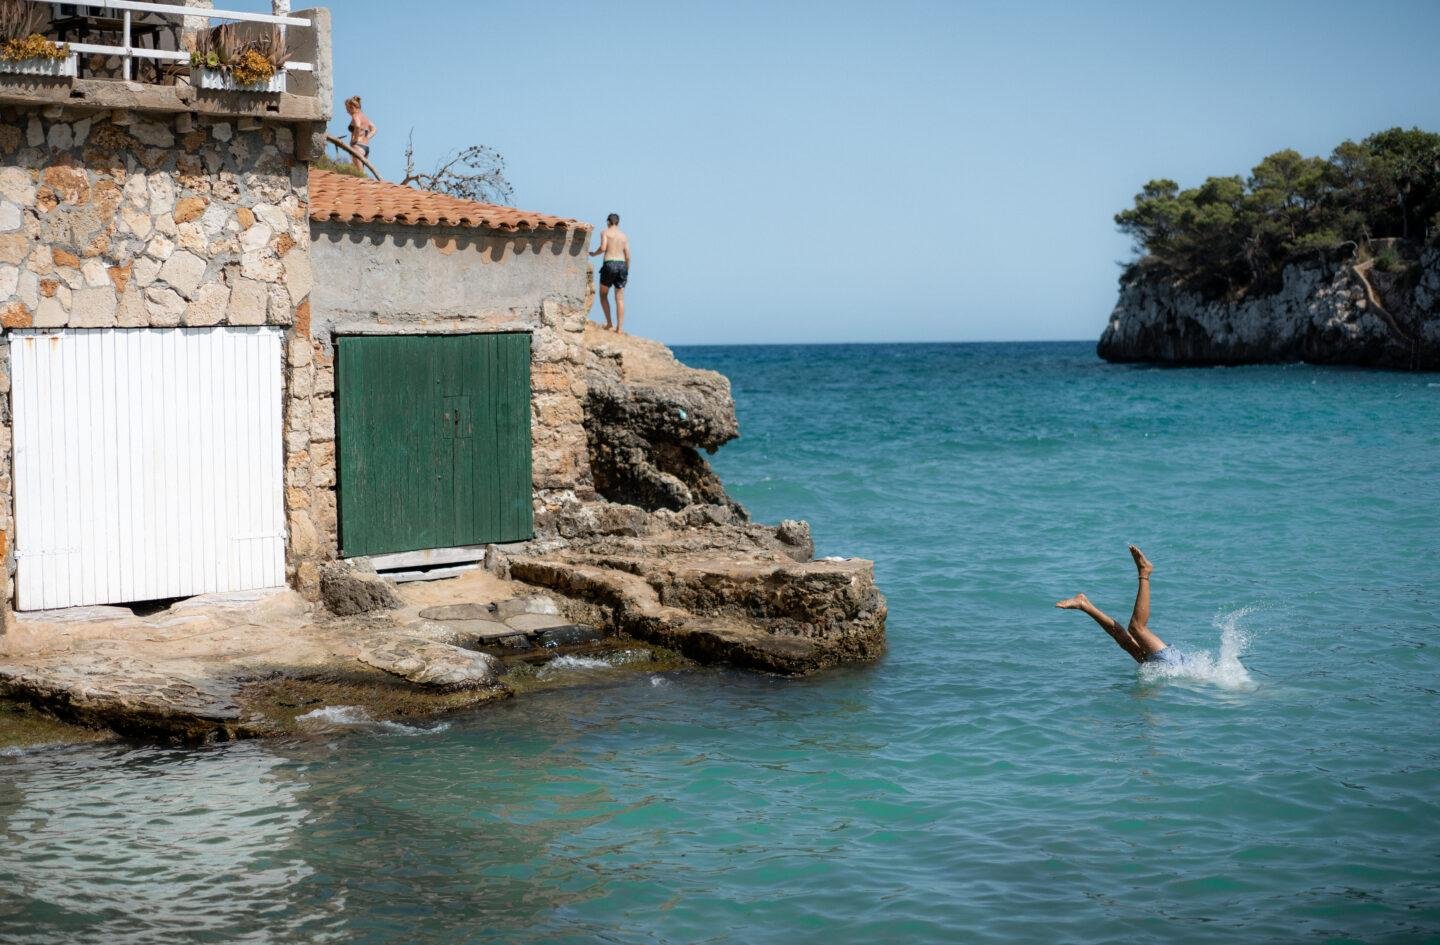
x: 261, y: 265
x: 249, y: 302
x: 94, y: 307
x: 190, y: 208
x: 51, y: 314
x: 18, y: 186
x: 255, y: 238
x: 119, y: 276
x: 94, y: 273
x: 164, y: 307
x: 302, y: 535
x: 300, y: 352
x: 69, y: 184
x: 136, y: 221
x: 322, y: 425
x: 322, y: 465
x: 132, y: 311
x: 161, y: 248
x: 14, y: 247
x: 299, y: 274
x: 147, y: 270
x: 183, y: 270
x: 209, y: 306
x: 152, y: 133
x: 16, y: 315
x: 191, y: 237
x: 11, y: 218
x: 9, y: 280
x: 280, y: 311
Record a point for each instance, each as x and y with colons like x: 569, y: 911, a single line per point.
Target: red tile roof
x: 346, y: 199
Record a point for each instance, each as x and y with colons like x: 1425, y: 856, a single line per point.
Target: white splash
x: 334, y: 718
x: 1222, y: 669
x: 572, y: 663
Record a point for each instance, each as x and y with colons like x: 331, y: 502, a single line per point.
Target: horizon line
x: 837, y: 344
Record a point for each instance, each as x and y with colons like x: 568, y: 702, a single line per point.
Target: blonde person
x: 362, y: 130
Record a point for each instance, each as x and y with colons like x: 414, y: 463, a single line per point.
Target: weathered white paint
x: 148, y: 463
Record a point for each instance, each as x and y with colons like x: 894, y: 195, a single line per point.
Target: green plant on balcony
x: 247, y: 63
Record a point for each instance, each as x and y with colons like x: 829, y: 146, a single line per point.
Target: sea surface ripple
x: 1004, y: 775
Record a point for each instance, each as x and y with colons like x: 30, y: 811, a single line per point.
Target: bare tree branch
x: 474, y: 173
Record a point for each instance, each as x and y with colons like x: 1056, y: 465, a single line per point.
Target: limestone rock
x: 351, y: 587
x: 796, y: 535
x: 459, y: 612
x: 646, y: 415
x: 1320, y: 314
x: 183, y: 270
x: 434, y: 665
x: 249, y: 301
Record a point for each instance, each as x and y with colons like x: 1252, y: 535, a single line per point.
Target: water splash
x: 1222, y: 669
x: 334, y: 718
x: 611, y: 660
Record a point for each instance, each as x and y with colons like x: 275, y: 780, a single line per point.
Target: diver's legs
x: 1140, y: 616
x: 1110, y: 625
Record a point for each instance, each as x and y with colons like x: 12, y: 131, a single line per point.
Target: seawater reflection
x: 135, y: 845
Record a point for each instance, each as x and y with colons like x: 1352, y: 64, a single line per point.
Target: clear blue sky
x: 906, y: 171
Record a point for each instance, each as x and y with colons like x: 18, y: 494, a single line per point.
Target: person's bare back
x: 614, y: 270
x: 615, y: 245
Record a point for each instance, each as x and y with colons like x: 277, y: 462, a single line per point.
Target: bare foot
x: 1078, y: 602
x: 1142, y: 563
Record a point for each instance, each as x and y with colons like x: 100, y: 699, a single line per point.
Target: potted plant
x: 23, y: 50
x: 223, y: 61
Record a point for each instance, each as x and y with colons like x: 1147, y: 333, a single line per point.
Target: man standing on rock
x: 614, y: 270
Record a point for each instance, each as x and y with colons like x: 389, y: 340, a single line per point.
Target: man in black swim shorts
x: 614, y: 271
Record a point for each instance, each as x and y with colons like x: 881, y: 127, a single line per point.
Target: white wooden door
x: 148, y: 463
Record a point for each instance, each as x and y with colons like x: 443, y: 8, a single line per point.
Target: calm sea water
x: 1005, y: 775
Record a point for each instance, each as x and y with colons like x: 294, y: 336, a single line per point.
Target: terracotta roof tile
x: 346, y: 199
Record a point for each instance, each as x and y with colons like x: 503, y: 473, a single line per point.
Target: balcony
x: 177, y: 56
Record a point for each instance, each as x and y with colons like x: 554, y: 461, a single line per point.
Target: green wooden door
x: 434, y: 441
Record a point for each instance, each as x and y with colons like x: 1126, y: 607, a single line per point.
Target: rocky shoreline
x: 1326, y: 312
x: 658, y: 568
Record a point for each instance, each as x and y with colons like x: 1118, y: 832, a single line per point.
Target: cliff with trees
x: 1325, y: 259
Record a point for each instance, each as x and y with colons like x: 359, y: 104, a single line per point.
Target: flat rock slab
x: 435, y: 665
x: 459, y: 612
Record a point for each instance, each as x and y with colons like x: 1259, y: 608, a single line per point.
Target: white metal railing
x: 129, y: 53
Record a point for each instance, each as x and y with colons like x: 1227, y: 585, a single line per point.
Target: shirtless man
x: 362, y: 129
x: 1135, y: 637
x: 614, y: 270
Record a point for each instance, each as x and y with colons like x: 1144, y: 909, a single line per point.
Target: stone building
x: 192, y: 318
x: 401, y: 274
x: 154, y: 245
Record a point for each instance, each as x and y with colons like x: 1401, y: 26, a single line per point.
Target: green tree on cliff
x: 1232, y: 236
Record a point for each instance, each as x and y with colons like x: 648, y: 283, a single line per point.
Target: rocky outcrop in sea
x: 1325, y: 312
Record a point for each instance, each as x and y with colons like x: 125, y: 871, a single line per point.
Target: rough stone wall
x: 391, y: 279
x: 1322, y: 313
x: 113, y: 220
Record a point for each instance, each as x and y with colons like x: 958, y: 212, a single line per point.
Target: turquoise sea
x: 1006, y: 774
